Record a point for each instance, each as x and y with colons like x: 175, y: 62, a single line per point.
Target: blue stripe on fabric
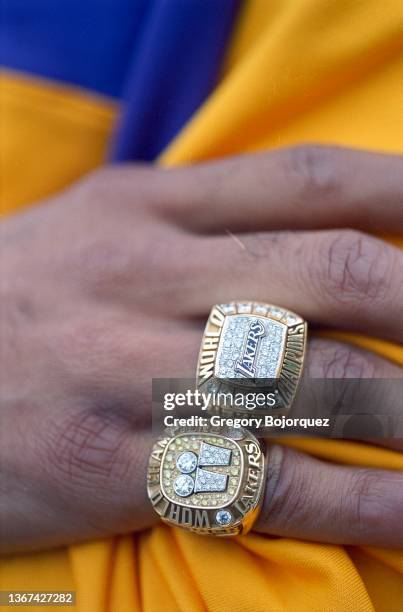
x: 175, y: 68
x: 88, y: 43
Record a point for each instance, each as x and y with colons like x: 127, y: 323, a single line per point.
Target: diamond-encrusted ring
x: 252, y: 346
x: 206, y: 482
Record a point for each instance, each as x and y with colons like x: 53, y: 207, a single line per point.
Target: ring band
x: 206, y: 482
x: 250, y: 346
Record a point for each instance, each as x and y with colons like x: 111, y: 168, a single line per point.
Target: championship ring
x: 250, y: 346
x: 206, y: 482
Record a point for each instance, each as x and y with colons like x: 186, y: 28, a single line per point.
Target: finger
x: 310, y: 499
x: 107, y: 378
x: 302, y: 187
x: 365, y: 385
x: 76, y: 478
x: 341, y: 278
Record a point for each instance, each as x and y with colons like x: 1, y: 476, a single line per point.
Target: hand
x: 107, y: 285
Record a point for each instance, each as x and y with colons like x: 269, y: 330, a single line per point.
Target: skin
x: 108, y: 285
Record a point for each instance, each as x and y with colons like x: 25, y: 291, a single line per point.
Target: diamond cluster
x: 232, y: 342
x: 210, y: 481
x: 214, y: 455
x: 274, y: 312
x: 214, y: 486
x: 188, y: 462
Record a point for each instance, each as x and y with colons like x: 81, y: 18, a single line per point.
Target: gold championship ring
x: 206, y: 482
x: 250, y: 346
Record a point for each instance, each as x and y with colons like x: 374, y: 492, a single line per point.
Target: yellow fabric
x: 50, y: 136
x: 297, y: 71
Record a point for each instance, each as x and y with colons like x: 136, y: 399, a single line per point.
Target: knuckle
x: 369, y: 509
x: 316, y: 168
x: 339, y: 360
x: 83, y: 451
x: 351, y: 267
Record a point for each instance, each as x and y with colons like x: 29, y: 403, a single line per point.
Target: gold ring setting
x: 206, y: 482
